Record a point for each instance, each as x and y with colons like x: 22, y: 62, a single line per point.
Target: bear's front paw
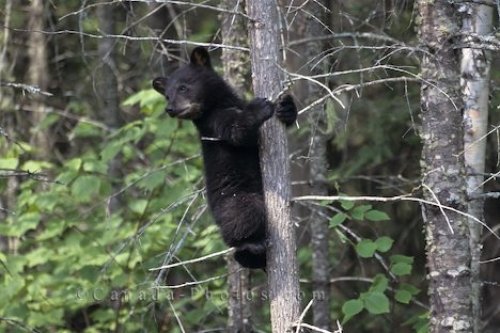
x: 286, y: 111
x: 262, y: 108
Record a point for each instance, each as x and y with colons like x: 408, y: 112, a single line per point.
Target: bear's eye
x: 182, y: 89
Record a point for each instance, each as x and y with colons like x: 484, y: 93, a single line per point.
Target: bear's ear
x: 200, y: 56
x: 159, y: 84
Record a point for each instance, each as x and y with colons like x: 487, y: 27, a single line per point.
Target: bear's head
x: 188, y: 87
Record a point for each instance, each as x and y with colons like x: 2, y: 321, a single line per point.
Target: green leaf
x: 347, y: 205
x: 366, y: 248
x: 8, y: 163
x: 85, y: 130
x: 384, y: 244
x: 25, y: 222
x: 358, y: 212
x: 53, y: 228
x: 401, y: 269
x: 337, y: 219
x: 376, y: 302
x: 409, y: 288
x: 111, y: 150
x: 380, y: 283
x: 403, y: 296
x: 74, y: 164
x: 36, y: 166
x: 351, y: 308
x: 153, y: 180
x: 397, y: 258
x: 85, y: 187
x: 144, y: 97
x: 376, y: 215
x: 138, y: 206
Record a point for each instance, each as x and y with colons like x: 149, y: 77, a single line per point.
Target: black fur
x: 228, y: 128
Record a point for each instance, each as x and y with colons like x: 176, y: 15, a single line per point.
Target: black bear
x: 228, y: 128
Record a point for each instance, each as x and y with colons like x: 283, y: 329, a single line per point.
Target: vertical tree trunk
x: 443, y: 178
x: 318, y: 175
x: 236, y: 63
x: 281, y: 254
x: 38, y: 75
x: 475, y: 70
x: 310, y: 23
x: 107, y: 88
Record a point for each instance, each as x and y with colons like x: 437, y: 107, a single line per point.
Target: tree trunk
x: 281, y: 253
x: 236, y: 63
x: 309, y: 23
x: 38, y: 76
x: 107, y: 90
x: 318, y: 167
x: 475, y: 70
x: 443, y: 174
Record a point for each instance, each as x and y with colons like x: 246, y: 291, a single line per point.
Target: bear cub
x: 228, y: 128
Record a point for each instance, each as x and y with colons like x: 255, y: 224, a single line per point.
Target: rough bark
x: 443, y: 174
x: 236, y: 68
x: 475, y: 70
x: 107, y: 89
x: 281, y: 254
x: 38, y: 75
x: 313, y: 20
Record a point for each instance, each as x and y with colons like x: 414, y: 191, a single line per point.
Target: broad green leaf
x: 153, y: 180
x: 366, y: 248
x: 25, y: 222
x: 36, y: 166
x: 409, y: 288
x: 380, y: 283
x: 403, y: 296
x: 85, y: 130
x: 401, y: 269
x: 9, y: 163
x: 144, y: 97
x: 111, y: 150
x: 376, y: 215
x: 337, y: 219
x: 74, y: 164
x: 376, y: 302
x: 351, y: 308
x: 138, y: 206
x: 397, y: 258
x: 85, y: 187
x: 358, y: 212
x: 52, y: 229
x: 347, y: 205
x: 384, y: 243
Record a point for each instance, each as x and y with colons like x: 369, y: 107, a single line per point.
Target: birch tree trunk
x: 475, y: 70
x: 281, y: 253
x: 443, y: 174
x: 236, y: 70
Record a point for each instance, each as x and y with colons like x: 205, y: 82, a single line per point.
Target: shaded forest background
x: 98, y: 185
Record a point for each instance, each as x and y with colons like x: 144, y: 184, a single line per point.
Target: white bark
x: 475, y: 72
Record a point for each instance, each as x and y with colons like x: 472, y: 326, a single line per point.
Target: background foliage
x: 69, y: 263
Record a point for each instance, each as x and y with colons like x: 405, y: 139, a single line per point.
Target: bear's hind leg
x: 242, y: 220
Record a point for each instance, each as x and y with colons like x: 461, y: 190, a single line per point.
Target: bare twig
x: 30, y: 89
x: 195, y: 260
x: 406, y: 197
